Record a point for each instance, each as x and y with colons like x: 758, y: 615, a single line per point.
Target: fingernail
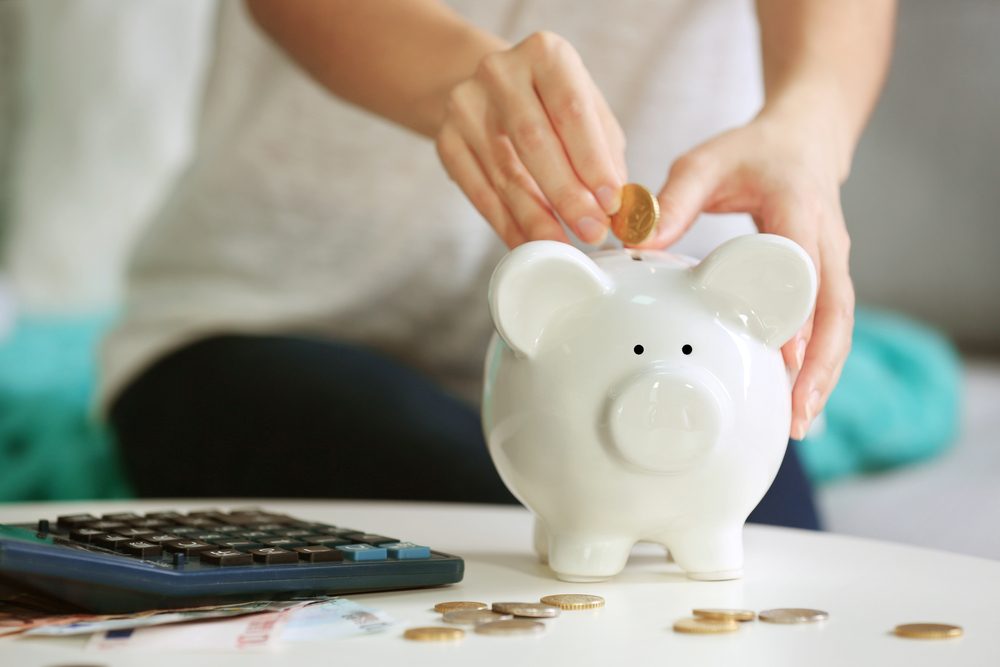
x: 800, y: 352
x: 591, y: 230
x: 812, y: 405
x: 609, y: 198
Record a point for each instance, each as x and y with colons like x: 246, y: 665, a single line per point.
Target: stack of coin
x: 500, y: 618
x: 718, y: 621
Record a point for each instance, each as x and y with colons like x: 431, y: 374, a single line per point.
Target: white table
x: 868, y: 587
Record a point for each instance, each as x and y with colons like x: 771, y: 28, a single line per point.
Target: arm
x: 824, y: 63
x: 522, y: 130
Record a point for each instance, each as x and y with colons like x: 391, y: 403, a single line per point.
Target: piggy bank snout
x: 665, y: 420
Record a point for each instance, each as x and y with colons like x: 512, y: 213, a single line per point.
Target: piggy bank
x: 642, y: 396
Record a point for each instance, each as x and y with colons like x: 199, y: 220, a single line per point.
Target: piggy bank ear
x: 533, y: 283
x: 766, y: 281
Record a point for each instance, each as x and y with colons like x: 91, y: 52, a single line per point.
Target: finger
x: 504, y: 171
x: 463, y: 168
x: 539, y: 149
x: 614, y: 136
x: 692, y: 180
x: 570, y: 96
x: 833, y: 328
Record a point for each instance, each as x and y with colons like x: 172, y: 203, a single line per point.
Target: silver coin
x: 788, y: 616
x: 528, y: 609
x: 473, y: 616
x: 518, y: 626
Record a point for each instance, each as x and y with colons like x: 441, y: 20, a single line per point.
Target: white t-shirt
x: 303, y: 214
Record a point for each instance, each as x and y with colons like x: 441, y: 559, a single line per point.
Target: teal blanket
x: 897, y: 402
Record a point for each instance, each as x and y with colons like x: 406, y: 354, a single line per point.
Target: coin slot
x: 638, y: 349
x: 687, y: 349
x: 636, y: 257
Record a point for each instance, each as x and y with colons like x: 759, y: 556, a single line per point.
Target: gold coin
x: 434, y: 634
x: 928, y: 631
x: 518, y: 626
x: 529, y: 609
x: 574, y: 601
x: 442, y: 607
x: 788, y: 616
x: 638, y: 215
x: 473, y: 616
x: 725, y: 614
x: 704, y: 626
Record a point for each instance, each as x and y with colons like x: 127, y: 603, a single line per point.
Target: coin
x: 704, y: 626
x: 516, y: 626
x: 792, y: 615
x: 725, y: 614
x: 442, y: 607
x: 434, y: 633
x: 638, y: 215
x: 928, y: 631
x: 473, y: 616
x: 529, y: 609
x: 574, y: 601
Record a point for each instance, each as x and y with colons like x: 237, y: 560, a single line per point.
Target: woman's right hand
x: 529, y: 137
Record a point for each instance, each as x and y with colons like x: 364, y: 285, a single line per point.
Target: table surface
x: 867, y: 586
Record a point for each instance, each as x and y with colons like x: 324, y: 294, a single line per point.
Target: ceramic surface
x: 638, y: 395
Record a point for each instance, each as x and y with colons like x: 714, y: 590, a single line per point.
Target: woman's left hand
x: 786, y: 174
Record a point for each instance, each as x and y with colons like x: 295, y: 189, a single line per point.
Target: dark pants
x: 255, y: 416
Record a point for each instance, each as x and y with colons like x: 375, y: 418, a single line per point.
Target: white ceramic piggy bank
x: 638, y: 395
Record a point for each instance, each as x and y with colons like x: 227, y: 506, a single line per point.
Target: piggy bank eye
x: 638, y: 349
x: 687, y: 349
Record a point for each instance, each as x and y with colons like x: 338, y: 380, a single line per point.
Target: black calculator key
x: 165, y: 516
x: 293, y: 532
x: 187, y: 547
x: 227, y: 529
x: 136, y: 532
x: 152, y: 524
x: 319, y: 554
x: 124, y: 517
x: 211, y: 512
x: 272, y: 527
x: 369, y: 538
x: 76, y: 520
x: 196, y: 522
x: 254, y: 534
x: 274, y: 556
x: 85, y: 534
x: 326, y: 540
x: 225, y: 557
x: 240, y: 545
x: 162, y: 538
x: 142, y: 549
x: 186, y: 530
x: 115, y: 542
x: 284, y: 542
x: 211, y: 537
x: 108, y: 526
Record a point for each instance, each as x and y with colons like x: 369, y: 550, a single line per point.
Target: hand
x: 529, y: 137
x: 786, y: 174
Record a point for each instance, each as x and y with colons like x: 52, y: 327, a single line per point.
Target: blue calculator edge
x: 99, y: 579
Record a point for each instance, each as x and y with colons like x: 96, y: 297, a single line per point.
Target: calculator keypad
x: 243, y: 537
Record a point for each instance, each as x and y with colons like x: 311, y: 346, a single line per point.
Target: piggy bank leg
x: 708, y: 555
x: 541, y: 540
x: 586, y: 558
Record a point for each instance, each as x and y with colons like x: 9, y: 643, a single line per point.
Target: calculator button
x: 318, y: 554
x: 142, y: 549
x: 284, y: 542
x: 135, y: 532
x: 211, y: 537
x: 165, y: 516
x: 241, y: 545
x: 225, y: 557
x: 187, y: 547
x: 161, y: 539
x: 121, y: 516
x: 76, y: 520
x: 326, y: 540
x: 273, y: 556
x: 107, y: 526
x: 152, y: 524
x: 362, y: 552
x: 407, y: 551
x: 369, y: 538
x: 115, y: 542
x: 253, y: 535
x: 196, y: 522
x: 85, y: 534
x: 186, y: 530
x: 293, y: 532
x: 272, y: 527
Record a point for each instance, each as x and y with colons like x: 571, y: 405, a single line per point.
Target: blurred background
x: 910, y: 451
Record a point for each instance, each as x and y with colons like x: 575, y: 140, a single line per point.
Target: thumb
x: 691, y: 182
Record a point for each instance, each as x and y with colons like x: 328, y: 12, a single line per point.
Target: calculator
x: 126, y: 562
